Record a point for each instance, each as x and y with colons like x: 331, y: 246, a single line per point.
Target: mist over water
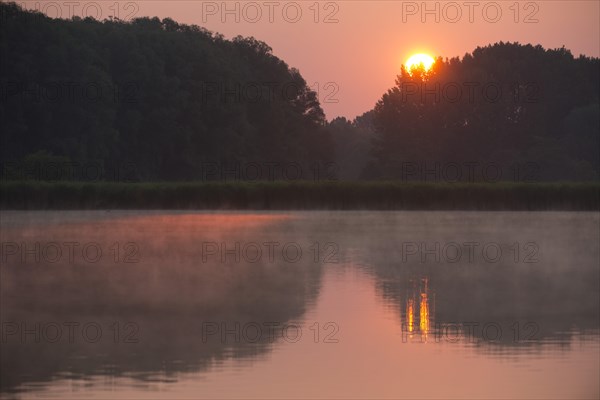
x: 299, y: 304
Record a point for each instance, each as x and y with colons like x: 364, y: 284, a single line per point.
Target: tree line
x: 171, y: 99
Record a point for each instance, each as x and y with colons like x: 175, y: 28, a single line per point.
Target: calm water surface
x: 299, y: 305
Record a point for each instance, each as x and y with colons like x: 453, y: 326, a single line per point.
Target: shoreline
x: 299, y: 195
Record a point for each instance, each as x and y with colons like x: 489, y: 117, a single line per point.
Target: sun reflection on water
x: 420, y: 291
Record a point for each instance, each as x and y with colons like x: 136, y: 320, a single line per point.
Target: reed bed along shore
x: 332, y: 195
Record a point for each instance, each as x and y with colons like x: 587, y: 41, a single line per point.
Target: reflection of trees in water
x: 169, y: 295
x: 171, y: 292
x: 559, y: 292
x: 533, y: 306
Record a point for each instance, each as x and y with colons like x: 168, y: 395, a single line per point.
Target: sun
x: 417, y: 59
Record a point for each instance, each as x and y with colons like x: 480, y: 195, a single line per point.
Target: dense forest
x: 158, y: 95
x: 505, y: 112
x: 534, y: 113
x: 167, y: 100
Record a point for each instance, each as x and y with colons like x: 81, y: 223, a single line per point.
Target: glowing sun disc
x: 418, y: 59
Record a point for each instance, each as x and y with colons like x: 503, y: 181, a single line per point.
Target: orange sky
x: 358, y: 46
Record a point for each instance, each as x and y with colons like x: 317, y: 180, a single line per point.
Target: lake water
x: 161, y: 304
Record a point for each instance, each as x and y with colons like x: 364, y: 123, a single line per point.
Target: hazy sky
x: 352, y: 50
